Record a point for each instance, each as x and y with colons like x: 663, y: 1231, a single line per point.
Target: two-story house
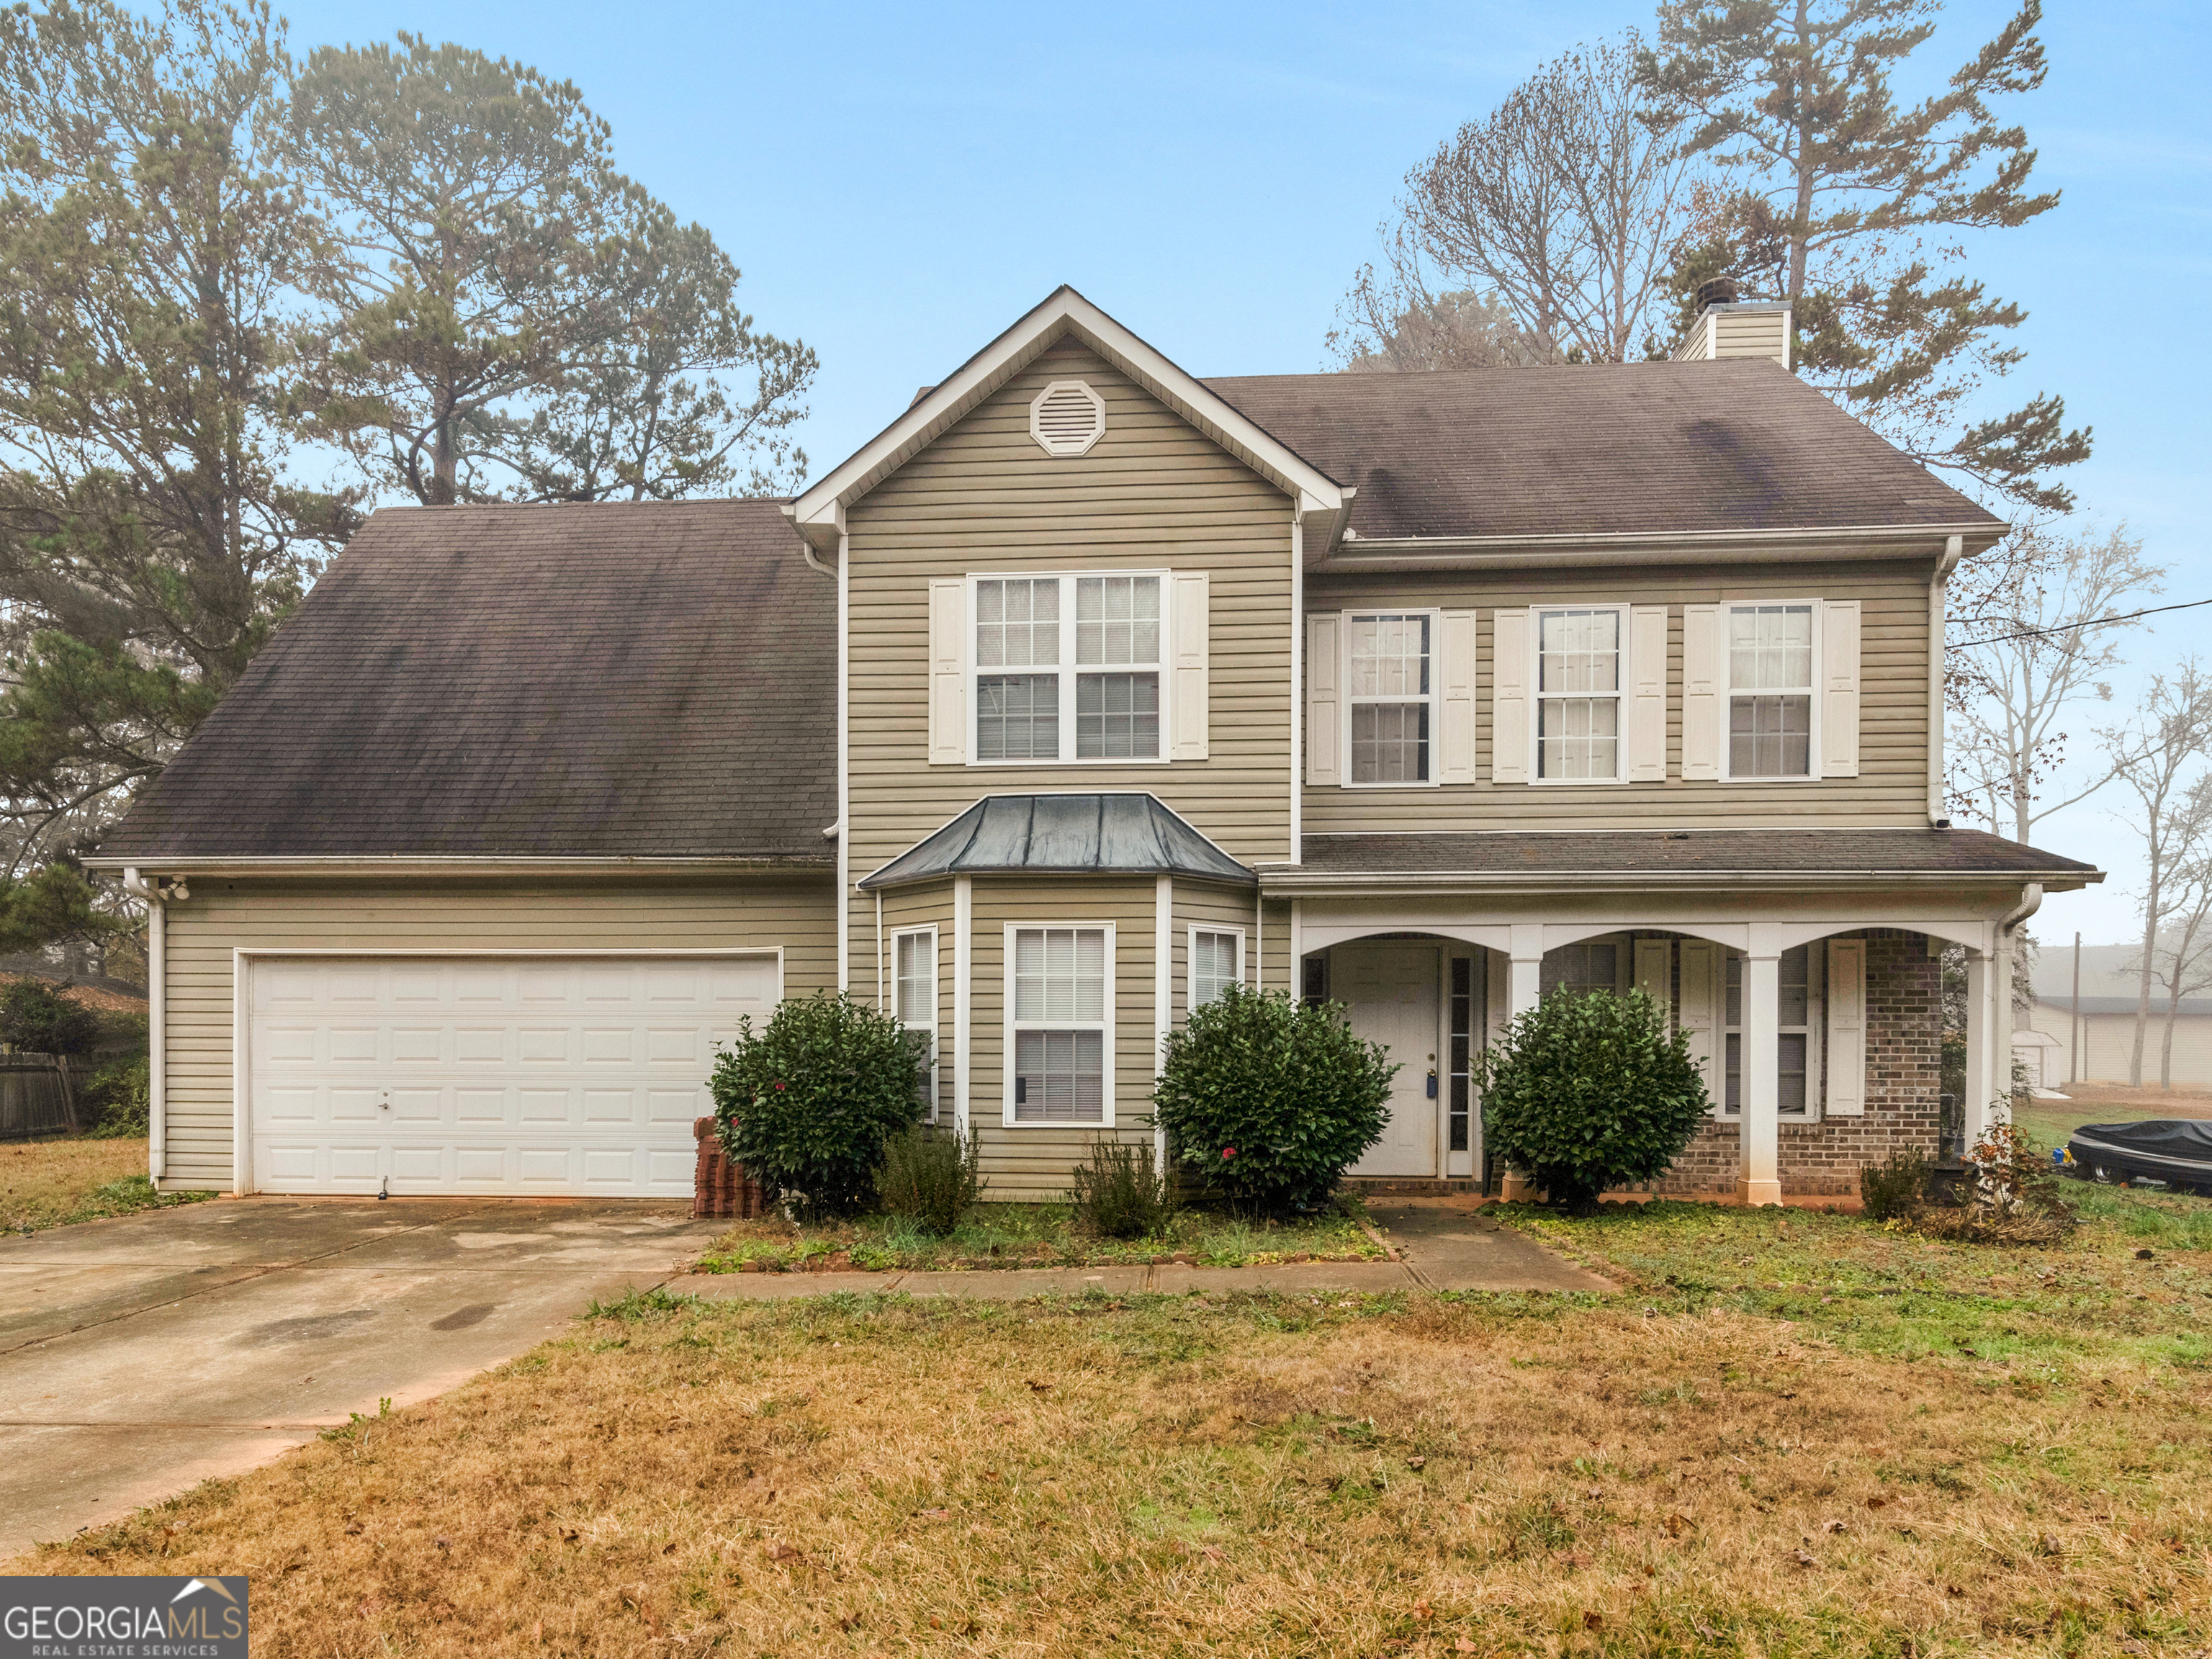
x: 1087, y: 688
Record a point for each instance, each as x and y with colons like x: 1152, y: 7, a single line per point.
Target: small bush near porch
x: 1587, y: 1093
x: 1792, y: 1435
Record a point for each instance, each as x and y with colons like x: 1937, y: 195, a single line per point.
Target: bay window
x: 1059, y: 1027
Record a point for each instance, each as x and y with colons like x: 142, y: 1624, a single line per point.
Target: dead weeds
x: 1515, y: 1475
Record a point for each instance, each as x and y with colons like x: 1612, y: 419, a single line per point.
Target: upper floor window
x: 1578, y: 680
x: 1067, y: 667
x: 1770, y: 698
x: 1392, y: 696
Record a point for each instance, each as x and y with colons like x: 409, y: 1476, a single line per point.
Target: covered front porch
x: 1813, y: 1000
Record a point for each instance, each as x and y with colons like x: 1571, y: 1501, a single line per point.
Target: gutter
x: 157, y: 1024
x: 1359, y: 553
x: 1280, y: 881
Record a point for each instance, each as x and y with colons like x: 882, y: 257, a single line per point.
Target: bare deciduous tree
x: 2159, y: 758
x: 1562, y: 205
x: 2008, y: 696
x: 2182, y: 963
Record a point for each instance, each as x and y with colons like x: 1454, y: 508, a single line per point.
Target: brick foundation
x: 1904, y: 1086
x: 722, y: 1190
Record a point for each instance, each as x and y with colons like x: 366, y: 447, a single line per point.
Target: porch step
x: 1406, y: 1187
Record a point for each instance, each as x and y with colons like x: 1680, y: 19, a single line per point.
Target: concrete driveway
x: 141, y: 1355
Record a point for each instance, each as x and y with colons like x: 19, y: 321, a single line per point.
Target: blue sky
x: 900, y: 182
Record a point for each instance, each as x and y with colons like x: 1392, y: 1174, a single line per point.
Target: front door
x: 1390, y: 991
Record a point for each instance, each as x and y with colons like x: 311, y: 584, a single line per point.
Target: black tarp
x: 2174, y: 1150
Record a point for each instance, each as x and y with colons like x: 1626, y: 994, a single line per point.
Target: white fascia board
x: 1065, y: 312
x: 1712, y: 546
x: 1285, y: 881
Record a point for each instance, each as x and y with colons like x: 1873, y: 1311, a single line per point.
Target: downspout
x: 1298, y: 688
x: 1938, y: 587
x: 844, y: 760
x: 157, y: 1136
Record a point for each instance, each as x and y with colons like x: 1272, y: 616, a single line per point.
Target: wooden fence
x: 32, y: 1103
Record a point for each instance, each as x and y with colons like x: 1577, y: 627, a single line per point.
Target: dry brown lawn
x: 1503, y: 1476
x: 44, y: 1183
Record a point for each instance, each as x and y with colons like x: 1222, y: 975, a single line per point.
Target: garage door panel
x: 489, y: 1075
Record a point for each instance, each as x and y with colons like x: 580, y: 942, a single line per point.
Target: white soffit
x: 819, y: 513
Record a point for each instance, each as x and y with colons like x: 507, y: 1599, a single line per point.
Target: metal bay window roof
x: 1063, y: 834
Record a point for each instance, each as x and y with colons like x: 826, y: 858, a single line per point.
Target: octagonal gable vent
x: 1067, y: 418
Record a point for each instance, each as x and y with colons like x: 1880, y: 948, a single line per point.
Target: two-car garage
x: 505, y: 1073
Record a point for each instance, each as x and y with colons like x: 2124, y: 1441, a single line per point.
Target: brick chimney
x: 1730, y: 327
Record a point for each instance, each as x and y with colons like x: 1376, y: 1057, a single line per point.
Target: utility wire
x: 2095, y: 621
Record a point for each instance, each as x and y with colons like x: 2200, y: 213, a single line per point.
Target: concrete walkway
x: 1444, y: 1244
x: 141, y: 1355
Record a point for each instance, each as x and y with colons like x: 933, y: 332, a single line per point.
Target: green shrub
x: 1271, y: 1101
x: 930, y: 1177
x: 1897, y: 1186
x: 1587, y: 1092
x: 1120, y: 1193
x: 806, y: 1102
x: 119, y: 1099
x: 35, y: 1019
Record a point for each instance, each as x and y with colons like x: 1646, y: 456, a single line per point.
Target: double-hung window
x: 1770, y: 699
x: 913, y: 998
x: 1058, y: 1026
x: 1068, y: 667
x: 1579, y: 672
x: 1217, y: 961
x: 1797, y: 1042
x: 1392, y: 695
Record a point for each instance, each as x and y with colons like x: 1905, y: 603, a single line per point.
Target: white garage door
x: 488, y: 1074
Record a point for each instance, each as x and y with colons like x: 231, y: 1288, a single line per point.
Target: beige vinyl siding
x: 1751, y: 334
x: 1153, y: 493
x: 795, y: 912
x: 1031, y: 1163
x: 1891, y: 790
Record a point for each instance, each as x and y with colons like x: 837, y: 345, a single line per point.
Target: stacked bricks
x: 722, y: 1190
x: 1903, y: 1081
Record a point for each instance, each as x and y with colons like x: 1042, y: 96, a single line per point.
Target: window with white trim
x: 1796, y: 1034
x: 1068, y: 667
x: 1217, y: 960
x: 1392, y: 695
x: 1059, y: 1026
x: 1770, y: 690
x: 1579, y: 673
x: 1585, y: 966
x: 913, y: 998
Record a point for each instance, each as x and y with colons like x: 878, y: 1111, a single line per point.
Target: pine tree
x: 1849, y: 205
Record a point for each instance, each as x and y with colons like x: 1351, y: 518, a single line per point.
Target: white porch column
x: 1524, y: 990
x: 1162, y: 992
x: 964, y: 955
x: 1759, y: 1175
x: 1981, y: 1022
x: 2000, y: 1107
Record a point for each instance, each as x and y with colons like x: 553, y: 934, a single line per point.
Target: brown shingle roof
x: 643, y: 680
x: 1624, y: 449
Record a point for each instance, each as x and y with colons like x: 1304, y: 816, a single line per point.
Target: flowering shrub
x: 806, y: 1102
x: 1270, y: 1101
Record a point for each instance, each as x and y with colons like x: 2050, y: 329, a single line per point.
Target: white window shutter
x: 1456, y: 678
x: 1324, y: 701
x: 1509, y: 697
x: 1700, y: 1012
x: 1189, y: 709
x: 1655, y: 970
x: 1647, y: 687
x: 1839, y: 688
x: 948, y: 673
x: 1847, y: 1027
x: 1703, y: 667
